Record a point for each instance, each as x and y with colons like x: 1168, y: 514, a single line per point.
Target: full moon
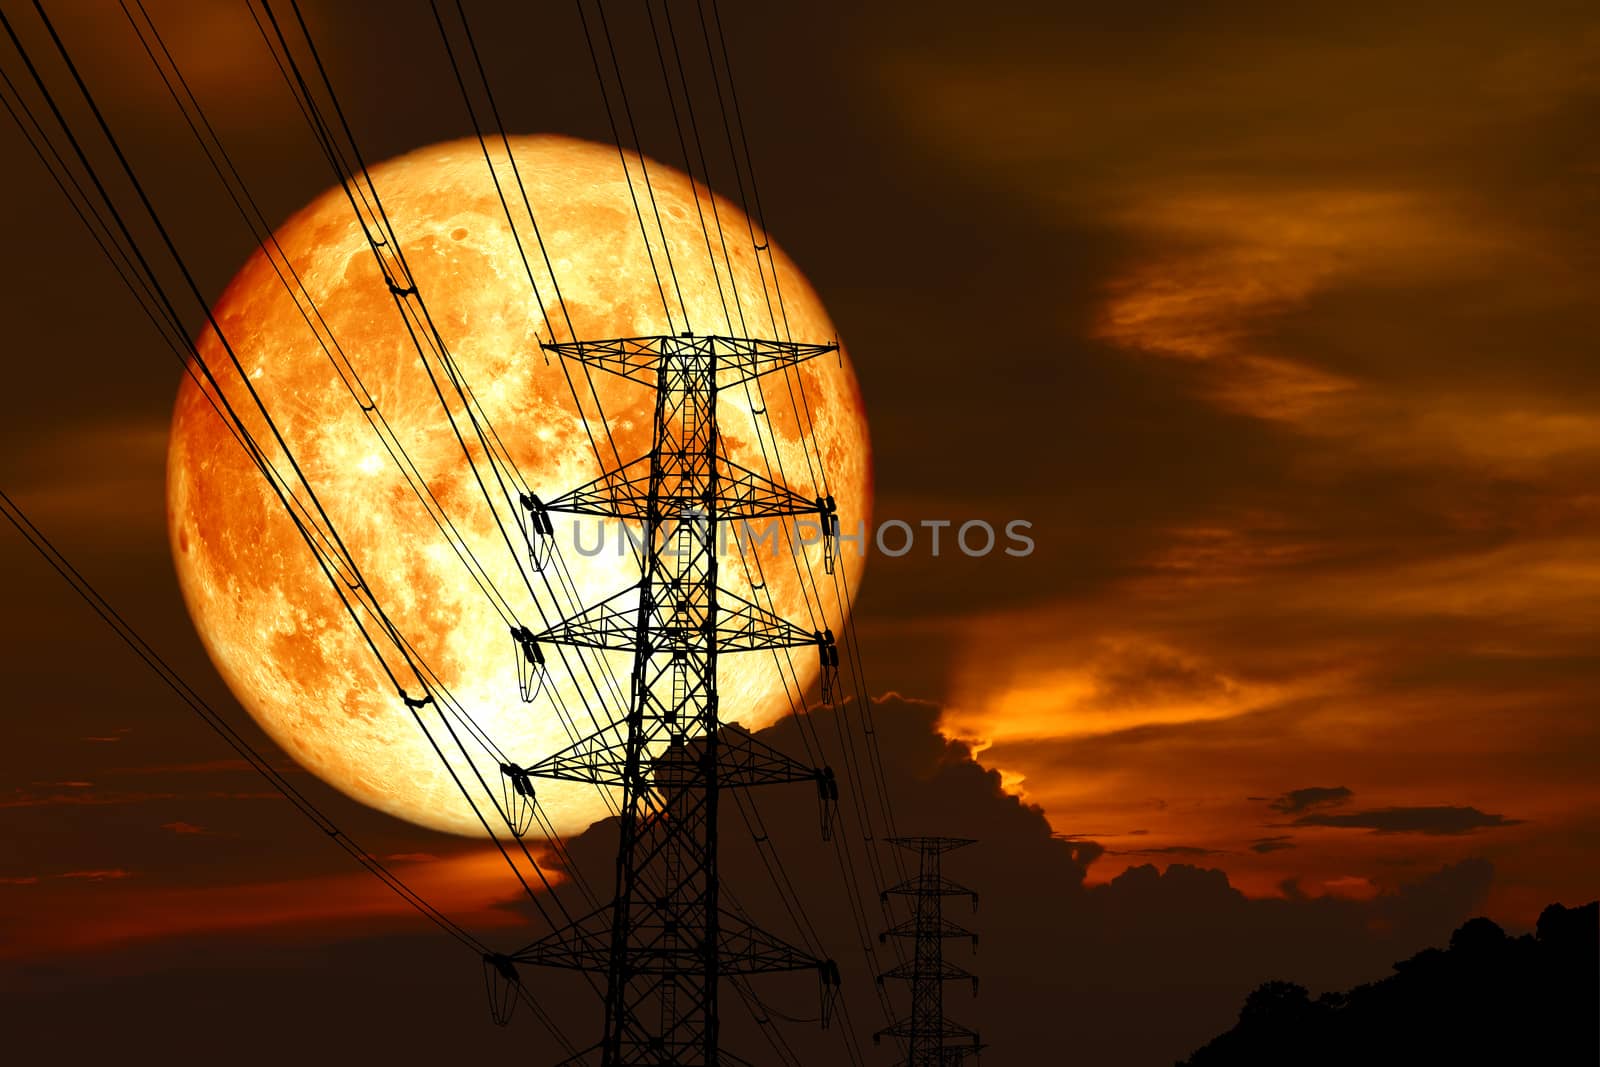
x: 267, y: 615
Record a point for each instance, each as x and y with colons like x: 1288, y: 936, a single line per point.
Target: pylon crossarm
x: 745, y: 949
x: 732, y: 359
x: 624, y: 494
x: 943, y: 928
x: 598, y: 759
x: 748, y: 495
x: 902, y: 1028
x: 612, y: 625
x: 744, y: 761
x: 945, y: 972
x: 925, y: 886
x: 952, y: 1032
x: 932, y: 845
x: 608, y: 625
x: 582, y: 945
x: 745, y: 626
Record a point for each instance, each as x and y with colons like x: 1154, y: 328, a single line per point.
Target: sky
x: 1277, y: 325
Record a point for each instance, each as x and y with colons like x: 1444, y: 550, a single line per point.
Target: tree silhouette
x: 1488, y: 998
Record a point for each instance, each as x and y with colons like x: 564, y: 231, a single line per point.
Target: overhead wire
x: 424, y: 334
x: 321, y: 541
x: 347, y: 372
x: 369, y: 196
x: 803, y: 407
x: 323, y: 533
x: 769, y: 857
x: 219, y: 724
x: 875, y: 773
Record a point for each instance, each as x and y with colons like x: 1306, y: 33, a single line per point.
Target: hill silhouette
x: 1488, y: 998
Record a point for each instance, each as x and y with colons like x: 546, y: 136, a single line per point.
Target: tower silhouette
x: 931, y: 1040
x: 666, y: 940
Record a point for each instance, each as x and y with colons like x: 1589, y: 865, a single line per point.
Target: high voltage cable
x: 799, y: 710
x: 798, y: 705
x: 325, y: 337
x: 544, y: 252
x: 424, y: 334
x: 616, y: 137
x: 323, y: 538
x: 350, y: 181
x: 875, y: 769
x: 852, y: 637
x: 847, y: 744
x: 309, y: 108
x: 319, y: 541
x: 852, y: 761
x: 169, y: 676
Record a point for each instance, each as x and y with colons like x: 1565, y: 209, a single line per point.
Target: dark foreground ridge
x: 1488, y: 998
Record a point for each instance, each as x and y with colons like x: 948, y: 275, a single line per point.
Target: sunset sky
x: 1277, y: 323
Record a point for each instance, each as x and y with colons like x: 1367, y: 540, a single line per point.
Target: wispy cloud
x: 470, y: 886
x: 1315, y: 796
x: 1439, y: 819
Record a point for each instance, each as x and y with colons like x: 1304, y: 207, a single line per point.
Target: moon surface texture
x: 268, y: 616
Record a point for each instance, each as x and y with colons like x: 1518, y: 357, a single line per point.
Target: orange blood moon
x: 268, y: 616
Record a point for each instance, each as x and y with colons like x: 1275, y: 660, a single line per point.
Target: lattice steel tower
x: 930, y: 1039
x: 666, y: 939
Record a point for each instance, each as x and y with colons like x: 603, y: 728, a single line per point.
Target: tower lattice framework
x: 931, y: 1040
x: 665, y: 941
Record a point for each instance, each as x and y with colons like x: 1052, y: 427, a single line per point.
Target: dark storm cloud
x: 1299, y: 800
x: 1439, y: 819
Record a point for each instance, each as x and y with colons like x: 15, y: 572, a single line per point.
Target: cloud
x: 181, y: 827
x: 214, y: 766
x: 471, y: 886
x: 1263, y: 845
x: 21, y: 798
x: 1063, y: 687
x: 1172, y: 850
x: 1180, y: 940
x: 113, y: 874
x: 1344, y: 517
x: 106, y: 874
x: 1435, y: 820
x: 1299, y: 800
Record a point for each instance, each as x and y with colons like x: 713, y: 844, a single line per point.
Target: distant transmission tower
x: 665, y: 940
x: 930, y: 1039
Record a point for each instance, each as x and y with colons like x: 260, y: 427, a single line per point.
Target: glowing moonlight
x: 267, y: 616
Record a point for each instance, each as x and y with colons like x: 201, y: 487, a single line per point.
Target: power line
x: 169, y: 676
x: 341, y: 570
x: 669, y: 797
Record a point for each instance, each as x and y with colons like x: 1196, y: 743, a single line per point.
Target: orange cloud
x: 471, y: 887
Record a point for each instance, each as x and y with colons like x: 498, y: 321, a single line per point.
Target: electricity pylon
x: 666, y: 940
x: 930, y: 1039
